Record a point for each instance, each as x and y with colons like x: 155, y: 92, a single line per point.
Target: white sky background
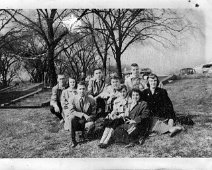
x: 193, y: 50
x: 198, y: 50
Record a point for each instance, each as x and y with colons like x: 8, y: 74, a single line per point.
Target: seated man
x: 95, y: 88
x: 55, y: 102
x: 96, y: 84
x: 111, y: 92
x: 81, y: 112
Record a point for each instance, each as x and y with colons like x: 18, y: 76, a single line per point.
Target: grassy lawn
x: 35, y: 133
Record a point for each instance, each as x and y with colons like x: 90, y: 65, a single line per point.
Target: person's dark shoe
x: 141, y: 140
x: 131, y: 144
x: 100, y: 145
x: 74, y: 144
x: 103, y: 146
x: 175, y: 131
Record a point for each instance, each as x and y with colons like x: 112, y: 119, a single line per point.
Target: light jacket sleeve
x: 73, y: 110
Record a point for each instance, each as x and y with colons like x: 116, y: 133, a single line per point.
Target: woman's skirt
x: 159, y: 126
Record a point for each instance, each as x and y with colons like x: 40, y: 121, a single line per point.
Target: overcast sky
x: 193, y: 49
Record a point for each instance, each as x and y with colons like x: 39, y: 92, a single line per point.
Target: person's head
x: 98, y: 74
x: 61, y: 79
x: 81, y: 88
x: 72, y: 82
x: 123, y: 90
x: 134, y: 69
x: 135, y: 95
x: 153, y: 81
x: 115, y: 82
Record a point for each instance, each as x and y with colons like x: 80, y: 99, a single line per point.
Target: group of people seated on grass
x: 130, y: 112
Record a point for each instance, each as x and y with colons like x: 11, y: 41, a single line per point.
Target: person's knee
x: 89, y: 125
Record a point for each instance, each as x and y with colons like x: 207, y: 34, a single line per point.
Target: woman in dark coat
x: 161, y: 108
x: 136, y: 125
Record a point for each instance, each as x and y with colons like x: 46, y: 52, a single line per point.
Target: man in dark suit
x: 82, y: 112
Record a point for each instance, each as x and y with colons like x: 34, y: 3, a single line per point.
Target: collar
x: 61, y: 87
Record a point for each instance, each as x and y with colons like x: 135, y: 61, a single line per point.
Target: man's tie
x: 81, y: 104
x: 98, y: 85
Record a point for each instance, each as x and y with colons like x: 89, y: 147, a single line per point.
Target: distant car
x: 207, y: 68
x: 187, y: 71
x: 145, y: 71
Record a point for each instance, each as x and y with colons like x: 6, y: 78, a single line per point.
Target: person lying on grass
x: 116, y: 117
x: 136, y: 125
x: 66, y: 95
x: 161, y: 108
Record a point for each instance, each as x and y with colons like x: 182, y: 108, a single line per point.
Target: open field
x: 35, y: 133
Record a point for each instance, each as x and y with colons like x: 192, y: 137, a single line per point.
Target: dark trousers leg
x: 142, y: 130
x: 77, y: 124
x: 100, y: 107
x: 58, y: 114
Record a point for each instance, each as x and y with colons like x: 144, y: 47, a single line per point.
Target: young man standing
x: 55, y: 102
x: 81, y: 112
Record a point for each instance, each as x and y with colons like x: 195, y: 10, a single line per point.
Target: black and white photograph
x: 130, y: 80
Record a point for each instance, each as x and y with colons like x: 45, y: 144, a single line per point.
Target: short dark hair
x: 116, y: 77
x: 81, y: 83
x: 137, y: 91
x: 97, y: 68
x: 134, y: 65
x: 123, y: 86
x: 153, y: 76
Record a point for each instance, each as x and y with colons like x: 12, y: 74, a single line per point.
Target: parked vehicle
x: 207, y: 68
x: 187, y: 71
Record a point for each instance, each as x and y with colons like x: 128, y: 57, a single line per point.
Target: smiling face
x: 152, y: 82
x: 135, y: 96
x: 98, y: 74
x: 123, y: 93
x: 71, y: 82
x: 115, y: 83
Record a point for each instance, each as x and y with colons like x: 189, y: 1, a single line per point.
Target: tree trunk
x: 118, y: 64
x: 51, y: 67
x: 105, y: 66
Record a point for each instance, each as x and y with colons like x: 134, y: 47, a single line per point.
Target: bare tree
x: 47, y: 24
x: 81, y: 58
x: 124, y: 27
x: 100, y: 36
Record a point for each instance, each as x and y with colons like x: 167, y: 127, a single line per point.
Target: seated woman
x: 116, y: 117
x: 161, y: 108
x: 136, y: 125
x: 65, y: 98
